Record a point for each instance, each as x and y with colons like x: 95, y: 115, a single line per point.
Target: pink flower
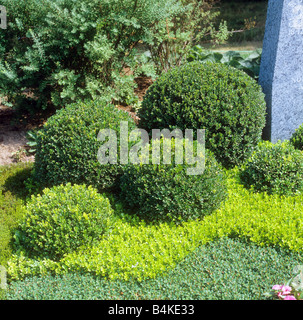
x: 277, y: 287
x: 286, y: 289
x: 280, y: 295
x: 290, y: 298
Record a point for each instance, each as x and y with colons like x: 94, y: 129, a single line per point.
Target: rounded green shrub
x: 67, y: 145
x: 297, y: 138
x: 62, y: 219
x: 167, y: 192
x: 274, y: 168
x: 225, y: 101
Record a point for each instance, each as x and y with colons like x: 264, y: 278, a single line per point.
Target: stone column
x: 281, y: 74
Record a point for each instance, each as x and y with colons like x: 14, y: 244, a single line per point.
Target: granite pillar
x: 281, y: 74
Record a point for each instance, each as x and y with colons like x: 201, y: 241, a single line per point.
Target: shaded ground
x: 244, y: 46
x: 13, y: 140
x: 143, y: 84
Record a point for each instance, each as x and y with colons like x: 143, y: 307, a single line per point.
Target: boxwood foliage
x: 225, y: 269
x: 223, y: 100
x: 67, y: 146
x: 297, y: 138
x: 167, y: 192
x: 62, y: 219
x: 12, y: 196
x: 138, y: 250
x: 274, y: 168
x: 65, y: 50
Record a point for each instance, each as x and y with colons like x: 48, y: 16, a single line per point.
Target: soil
x: 13, y: 129
x: 143, y: 84
x: 13, y: 147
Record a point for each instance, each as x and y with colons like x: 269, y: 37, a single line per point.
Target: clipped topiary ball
x: 297, y: 138
x: 225, y: 101
x: 62, y: 219
x: 67, y: 145
x: 274, y: 168
x: 167, y: 192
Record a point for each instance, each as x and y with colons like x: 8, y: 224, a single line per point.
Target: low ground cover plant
x: 248, y: 62
x: 135, y: 250
x: 12, y: 197
x: 224, y: 269
x: 9, y: 214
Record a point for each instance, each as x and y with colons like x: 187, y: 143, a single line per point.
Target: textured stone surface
x: 281, y: 75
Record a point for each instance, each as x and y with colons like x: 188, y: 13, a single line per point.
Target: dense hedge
x: 226, y: 269
x: 226, y: 102
x: 67, y: 145
x: 274, y: 168
x: 62, y: 219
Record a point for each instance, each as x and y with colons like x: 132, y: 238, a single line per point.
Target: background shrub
x: 167, y: 192
x: 274, y: 168
x: 226, y: 269
x: 65, y: 50
x: 62, y: 219
x: 226, y: 102
x: 297, y: 138
x: 93, y: 51
x: 193, y: 24
x: 67, y: 145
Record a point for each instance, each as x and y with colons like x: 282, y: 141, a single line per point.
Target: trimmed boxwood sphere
x: 274, y: 168
x: 62, y: 219
x: 225, y: 101
x: 67, y: 145
x: 297, y: 138
x: 165, y: 192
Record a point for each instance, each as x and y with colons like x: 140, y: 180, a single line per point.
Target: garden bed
x: 251, y: 243
x: 78, y: 223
